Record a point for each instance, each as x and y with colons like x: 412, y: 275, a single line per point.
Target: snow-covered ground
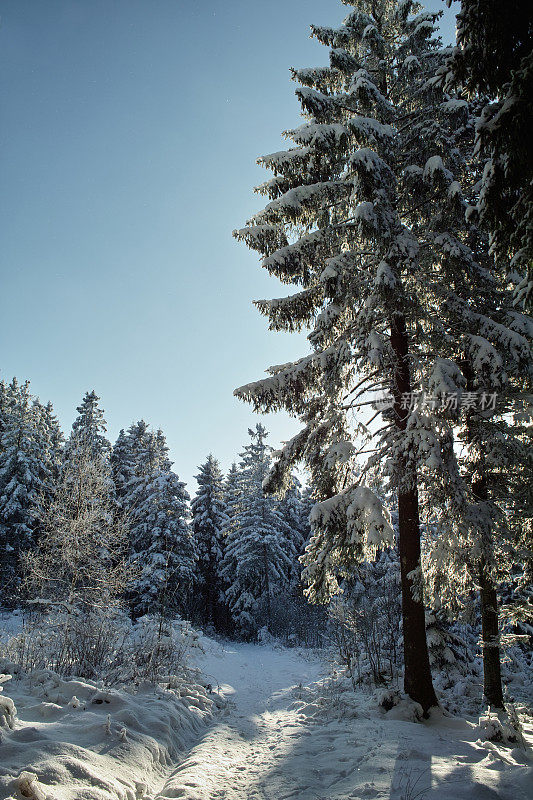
x: 281, y: 740
x: 83, y: 743
x: 274, y: 739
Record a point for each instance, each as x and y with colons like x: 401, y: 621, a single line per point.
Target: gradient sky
x: 129, y: 136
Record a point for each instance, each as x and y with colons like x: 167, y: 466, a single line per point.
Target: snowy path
x: 274, y: 740
x: 264, y: 748
x: 240, y: 756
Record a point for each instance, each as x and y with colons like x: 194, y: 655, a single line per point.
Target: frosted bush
x: 106, y: 645
x: 156, y: 649
x: 69, y: 642
x: 503, y: 727
x: 387, y: 698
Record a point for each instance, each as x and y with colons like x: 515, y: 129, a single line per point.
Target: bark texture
x: 418, y: 683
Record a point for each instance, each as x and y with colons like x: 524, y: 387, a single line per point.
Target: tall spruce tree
x: 25, y: 475
x: 51, y: 443
x: 345, y: 223
x: 232, y: 493
x: 483, y: 517
x: 161, y: 542
x: 144, y: 450
x: 259, y: 553
x: 209, y: 520
x: 90, y: 427
x: 493, y: 60
x: 476, y: 393
x: 52, y: 437
x: 156, y: 504
x: 292, y: 508
x: 122, y: 466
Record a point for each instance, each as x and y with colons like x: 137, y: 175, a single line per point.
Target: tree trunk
x: 492, y: 676
x: 267, y: 587
x: 417, y: 677
x: 490, y: 639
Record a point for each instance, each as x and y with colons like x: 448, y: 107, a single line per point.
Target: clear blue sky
x: 129, y: 136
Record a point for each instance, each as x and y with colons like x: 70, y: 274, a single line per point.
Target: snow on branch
x: 294, y: 312
x: 370, y: 129
x: 284, y: 161
x: 346, y: 528
x: 365, y: 90
x: 301, y: 200
x: 290, y: 384
x: 279, y: 476
x: 324, y: 136
x: 263, y: 238
x: 289, y: 263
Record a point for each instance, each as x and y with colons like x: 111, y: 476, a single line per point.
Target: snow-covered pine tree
x: 53, y: 438
x: 344, y: 223
x: 122, y: 465
x: 3, y: 405
x: 209, y: 520
x: 493, y: 64
x: 162, y: 450
x: 51, y: 442
x: 294, y: 511
x: 232, y: 493
x: 306, y: 506
x: 259, y: 552
x: 89, y: 427
x: 148, y: 451
x: 494, y: 59
x: 136, y: 453
x: 24, y: 477
x: 483, y: 524
x: 476, y: 391
x: 161, y: 544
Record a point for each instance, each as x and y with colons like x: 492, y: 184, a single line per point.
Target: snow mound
x: 78, y: 740
x: 7, y: 706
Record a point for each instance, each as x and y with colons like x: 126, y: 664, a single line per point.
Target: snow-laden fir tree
x: 232, y: 493
x: 493, y: 59
x: 374, y: 263
x: 90, y: 427
x: 136, y: 453
x: 122, y: 465
x: 143, y: 450
x: 294, y: 508
x: 51, y: 444
x: 28, y: 458
x: 477, y: 391
x: 161, y: 544
x: 21, y: 472
x: 209, y: 520
x: 259, y: 552
x: 162, y: 450
x: 164, y: 549
x: 483, y: 534
x: 52, y: 438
